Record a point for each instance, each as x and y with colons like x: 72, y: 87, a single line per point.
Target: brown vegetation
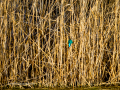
x: 34, y: 38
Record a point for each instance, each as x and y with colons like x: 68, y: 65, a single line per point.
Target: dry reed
x: 34, y: 38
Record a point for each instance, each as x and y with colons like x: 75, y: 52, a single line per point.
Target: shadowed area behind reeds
x: 34, y: 38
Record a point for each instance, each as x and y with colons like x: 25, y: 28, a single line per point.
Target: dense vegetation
x: 34, y: 38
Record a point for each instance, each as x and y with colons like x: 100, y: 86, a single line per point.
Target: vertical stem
x: 119, y: 40
x: 117, y: 30
x: 101, y: 42
x: 79, y: 54
x: 96, y: 40
x: 42, y: 44
x: 4, y: 38
x: 50, y: 74
x: 61, y: 40
x: 32, y: 50
x: 27, y: 43
x: 15, y: 65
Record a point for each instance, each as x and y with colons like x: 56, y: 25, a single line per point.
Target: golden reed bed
x: 34, y: 38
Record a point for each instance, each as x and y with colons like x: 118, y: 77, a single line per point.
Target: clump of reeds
x: 34, y: 38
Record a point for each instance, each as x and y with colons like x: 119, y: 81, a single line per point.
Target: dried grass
x: 34, y: 38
